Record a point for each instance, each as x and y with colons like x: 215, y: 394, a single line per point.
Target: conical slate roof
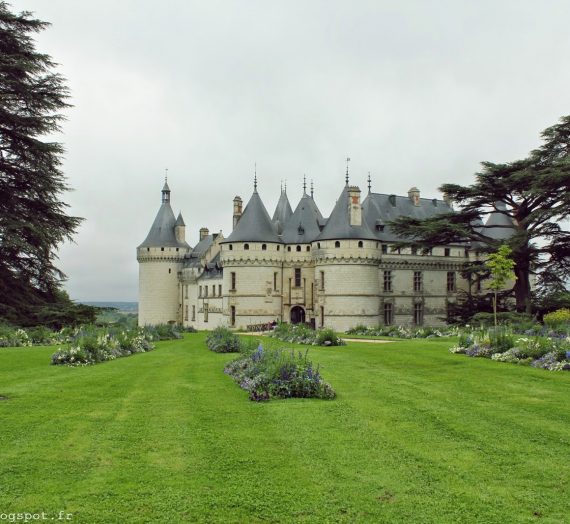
x: 282, y: 213
x: 338, y: 225
x: 303, y: 225
x: 499, y: 226
x: 255, y: 224
x: 161, y: 233
x: 180, y: 220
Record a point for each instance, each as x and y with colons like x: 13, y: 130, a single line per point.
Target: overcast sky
x: 416, y: 92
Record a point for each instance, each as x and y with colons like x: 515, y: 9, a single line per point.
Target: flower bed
x: 222, y: 340
x: 92, y: 345
x: 551, y: 353
x: 303, y: 334
x: 404, y: 331
x: 280, y: 373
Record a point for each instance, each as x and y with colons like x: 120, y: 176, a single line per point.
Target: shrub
x: 279, y: 373
x: 501, y: 339
x: 558, y: 319
x: 222, y: 340
x: 327, y: 337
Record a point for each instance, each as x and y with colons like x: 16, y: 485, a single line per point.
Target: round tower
x: 160, y: 259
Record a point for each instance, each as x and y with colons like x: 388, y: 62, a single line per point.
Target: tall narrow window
x: 478, y: 285
x: 206, y: 291
x: 220, y: 290
x: 213, y: 291
x: 417, y: 280
x: 384, y: 249
x: 322, y: 316
x: 232, y: 315
x: 185, y: 291
x: 193, y: 312
x: 418, y: 314
x: 297, y: 277
x: 388, y: 314
x: 233, y: 275
x: 185, y: 312
x: 274, y: 281
x: 451, y: 281
x: 387, y: 281
x: 447, y: 252
x: 298, y: 248
x: 200, y: 291
x: 206, y: 311
x: 322, y: 280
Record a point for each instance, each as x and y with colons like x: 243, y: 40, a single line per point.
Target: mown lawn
x: 416, y: 435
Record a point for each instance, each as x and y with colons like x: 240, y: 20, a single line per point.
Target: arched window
x: 278, y: 247
x: 288, y: 248
x: 298, y: 248
x: 308, y: 248
x: 318, y: 245
x: 246, y: 247
x: 231, y: 247
x: 337, y: 244
x: 263, y: 247
x: 360, y: 244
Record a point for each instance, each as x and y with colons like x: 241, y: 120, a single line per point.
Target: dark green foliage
x: 303, y: 334
x: 536, y: 191
x: 521, y: 320
x: 33, y: 219
x: 222, y: 340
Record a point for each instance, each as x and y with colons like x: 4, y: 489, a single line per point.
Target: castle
x: 299, y: 266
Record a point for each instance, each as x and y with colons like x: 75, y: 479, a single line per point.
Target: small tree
x: 500, y: 267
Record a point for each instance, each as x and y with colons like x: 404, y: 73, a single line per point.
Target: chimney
x: 237, y: 209
x: 414, y: 196
x: 204, y: 232
x: 354, y: 207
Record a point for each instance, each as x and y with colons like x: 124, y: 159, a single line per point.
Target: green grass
x: 416, y: 435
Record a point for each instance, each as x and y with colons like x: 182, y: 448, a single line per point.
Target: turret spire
x: 347, y: 161
x: 166, y: 190
x: 304, y: 184
x: 369, y: 183
x: 311, y: 188
x: 255, y: 177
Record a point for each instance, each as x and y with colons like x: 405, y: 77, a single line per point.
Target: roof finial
x: 369, y: 183
x: 285, y: 186
x: 255, y: 177
x: 166, y: 176
x: 311, y: 188
x: 304, y: 184
x: 281, y: 185
x: 347, y: 161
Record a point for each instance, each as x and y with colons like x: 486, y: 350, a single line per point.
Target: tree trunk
x: 522, y: 288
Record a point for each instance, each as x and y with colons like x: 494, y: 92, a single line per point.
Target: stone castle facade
x: 299, y: 266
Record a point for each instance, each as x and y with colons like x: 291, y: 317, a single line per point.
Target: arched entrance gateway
x: 297, y: 315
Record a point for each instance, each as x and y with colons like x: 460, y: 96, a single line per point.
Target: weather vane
x: 347, y: 161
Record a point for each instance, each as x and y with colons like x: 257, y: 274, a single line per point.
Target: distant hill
x: 126, y: 307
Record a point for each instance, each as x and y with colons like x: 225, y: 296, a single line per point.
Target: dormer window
x: 301, y: 230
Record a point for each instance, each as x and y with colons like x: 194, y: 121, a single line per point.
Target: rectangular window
x: 322, y: 316
x: 200, y: 291
x: 193, y: 312
x: 185, y: 312
x: 417, y: 280
x: 233, y: 288
x: 206, y: 311
x: 418, y: 314
x: 384, y: 249
x: 232, y: 316
x: 205, y: 291
x: 450, y: 281
x: 213, y: 291
x: 388, y: 314
x: 220, y: 290
x: 297, y: 277
x: 274, y: 281
x: 447, y: 252
x: 185, y: 291
x: 322, y: 280
x: 387, y: 281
